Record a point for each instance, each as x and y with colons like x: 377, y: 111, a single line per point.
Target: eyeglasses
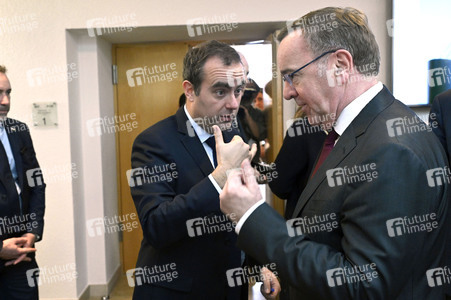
x: 289, y: 77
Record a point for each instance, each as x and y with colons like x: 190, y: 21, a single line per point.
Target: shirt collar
x: 201, y: 133
x: 351, y: 111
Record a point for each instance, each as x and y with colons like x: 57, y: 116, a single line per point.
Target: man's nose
x: 233, y: 101
x: 289, y: 92
x: 4, y: 98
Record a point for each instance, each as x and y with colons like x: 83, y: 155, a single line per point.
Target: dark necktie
x: 212, y: 143
x: 327, y: 147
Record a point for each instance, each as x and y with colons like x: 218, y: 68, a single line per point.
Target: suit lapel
x: 192, y: 144
x: 346, y: 143
x: 342, y: 148
x: 13, y: 137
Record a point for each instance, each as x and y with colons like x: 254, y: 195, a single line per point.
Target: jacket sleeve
x: 305, y: 263
x: 36, y: 193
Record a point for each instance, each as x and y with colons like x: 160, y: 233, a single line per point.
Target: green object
x: 439, y: 77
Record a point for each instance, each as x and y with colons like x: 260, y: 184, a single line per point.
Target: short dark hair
x: 3, y: 69
x: 351, y: 32
x: 196, y: 57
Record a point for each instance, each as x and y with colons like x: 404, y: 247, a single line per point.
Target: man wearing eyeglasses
x: 370, y: 222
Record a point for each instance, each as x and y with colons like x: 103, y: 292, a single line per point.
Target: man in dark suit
x: 184, y: 230
x: 22, y: 202
x: 440, y: 122
x: 370, y: 222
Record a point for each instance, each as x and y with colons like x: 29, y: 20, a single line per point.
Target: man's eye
x: 220, y: 93
x: 8, y: 92
x: 239, y: 91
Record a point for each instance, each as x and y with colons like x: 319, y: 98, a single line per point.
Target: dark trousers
x: 16, y: 285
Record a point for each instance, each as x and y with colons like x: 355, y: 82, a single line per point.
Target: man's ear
x: 343, y: 61
x: 189, y: 90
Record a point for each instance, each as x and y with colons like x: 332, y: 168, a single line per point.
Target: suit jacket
x: 440, y: 122
x: 165, y: 207
x: 31, y: 218
x: 320, y: 263
x: 295, y: 162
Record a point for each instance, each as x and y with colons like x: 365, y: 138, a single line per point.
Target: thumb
x: 218, y: 136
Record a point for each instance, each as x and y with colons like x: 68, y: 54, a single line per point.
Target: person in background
x: 22, y: 205
x: 440, y: 122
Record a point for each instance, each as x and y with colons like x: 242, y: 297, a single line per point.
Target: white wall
x: 49, y: 45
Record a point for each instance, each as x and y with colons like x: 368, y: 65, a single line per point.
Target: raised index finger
x: 218, y: 135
